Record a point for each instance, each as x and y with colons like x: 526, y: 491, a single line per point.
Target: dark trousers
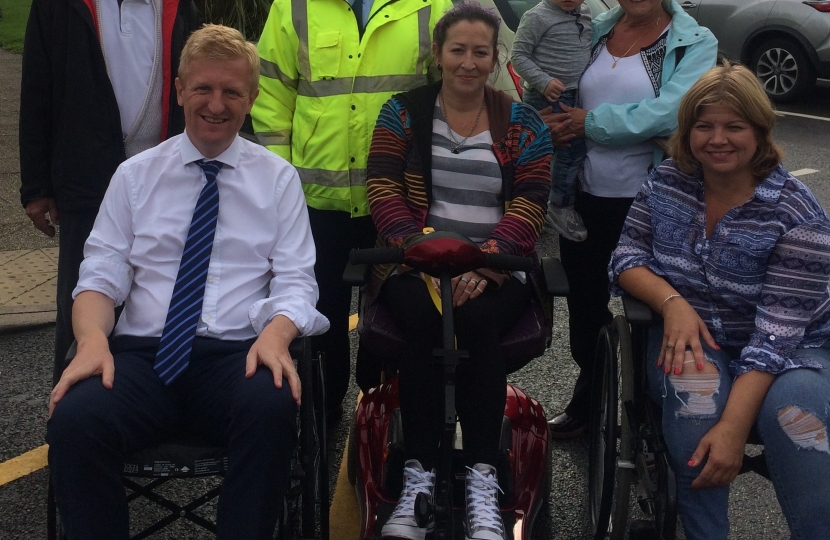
x: 74, y: 230
x: 335, y: 234
x: 481, y: 383
x: 586, y: 265
x: 93, y: 428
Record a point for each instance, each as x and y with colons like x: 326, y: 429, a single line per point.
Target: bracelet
x: 669, y: 297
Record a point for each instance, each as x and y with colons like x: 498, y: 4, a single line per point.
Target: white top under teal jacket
x: 631, y: 123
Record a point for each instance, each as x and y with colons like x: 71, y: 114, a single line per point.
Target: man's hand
x: 553, y: 90
x: 44, y: 214
x: 93, y: 358
x: 724, y: 444
x: 271, y: 350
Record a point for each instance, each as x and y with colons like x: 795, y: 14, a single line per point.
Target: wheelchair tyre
x: 314, y: 497
x: 611, y: 440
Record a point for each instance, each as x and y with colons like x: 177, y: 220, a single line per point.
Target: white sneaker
x: 567, y: 222
x: 483, y: 517
x: 402, y: 523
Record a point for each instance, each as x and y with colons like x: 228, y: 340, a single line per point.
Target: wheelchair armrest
x: 555, y: 278
x: 70, y: 354
x: 637, y: 312
x: 356, y: 275
x: 297, y: 347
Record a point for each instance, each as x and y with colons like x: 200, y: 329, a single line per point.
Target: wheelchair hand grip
x: 498, y: 261
x: 376, y: 256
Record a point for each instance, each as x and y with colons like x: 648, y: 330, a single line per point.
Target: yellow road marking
x: 344, y: 514
x: 352, y: 321
x: 24, y: 464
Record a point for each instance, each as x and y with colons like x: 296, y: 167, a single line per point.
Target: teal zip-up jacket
x: 631, y: 123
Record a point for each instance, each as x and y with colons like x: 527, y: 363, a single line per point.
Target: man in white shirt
x: 243, y: 232
x: 97, y: 88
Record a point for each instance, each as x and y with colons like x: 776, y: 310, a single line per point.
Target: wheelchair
x: 376, y: 446
x: 626, y: 446
x: 304, y: 514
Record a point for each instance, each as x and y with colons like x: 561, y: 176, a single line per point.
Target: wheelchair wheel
x: 314, y: 499
x: 611, y: 440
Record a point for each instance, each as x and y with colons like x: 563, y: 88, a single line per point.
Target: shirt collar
x: 229, y: 157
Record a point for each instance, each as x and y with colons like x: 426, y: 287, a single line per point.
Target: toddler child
x: 553, y: 42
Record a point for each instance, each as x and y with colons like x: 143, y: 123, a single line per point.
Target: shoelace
x: 482, y: 490
x: 416, y: 482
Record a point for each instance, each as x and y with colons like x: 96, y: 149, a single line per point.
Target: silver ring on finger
x: 465, y: 280
x: 474, y: 282
x: 669, y: 346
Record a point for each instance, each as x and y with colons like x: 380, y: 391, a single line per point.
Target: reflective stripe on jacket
x: 322, y: 86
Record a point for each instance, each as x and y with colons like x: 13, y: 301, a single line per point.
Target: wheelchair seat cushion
x: 182, y: 456
x: 526, y: 340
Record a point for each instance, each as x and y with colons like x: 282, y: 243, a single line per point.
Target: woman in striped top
x: 734, y: 252
x: 457, y: 156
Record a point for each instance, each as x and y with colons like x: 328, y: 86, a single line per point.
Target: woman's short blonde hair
x: 218, y: 42
x: 736, y: 87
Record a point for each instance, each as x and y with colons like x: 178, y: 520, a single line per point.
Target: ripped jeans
x: 792, y: 422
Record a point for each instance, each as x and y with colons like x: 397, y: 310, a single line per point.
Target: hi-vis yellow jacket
x: 322, y: 86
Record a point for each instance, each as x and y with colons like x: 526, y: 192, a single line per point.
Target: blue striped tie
x: 173, y: 355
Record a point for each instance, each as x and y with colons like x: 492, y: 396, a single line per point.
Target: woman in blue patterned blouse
x: 734, y: 252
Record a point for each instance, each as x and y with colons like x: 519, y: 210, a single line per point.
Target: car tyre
x: 783, y: 69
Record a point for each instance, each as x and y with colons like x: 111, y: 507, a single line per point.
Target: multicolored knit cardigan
x: 399, y: 180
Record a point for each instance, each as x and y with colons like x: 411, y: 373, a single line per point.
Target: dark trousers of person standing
x: 481, y: 380
x: 586, y: 265
x: 335, y: 234
x: 92, y: 429
x: 74, y: 230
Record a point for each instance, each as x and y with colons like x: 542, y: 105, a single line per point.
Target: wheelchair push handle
x: 377, y: 256
x: 497, y: 261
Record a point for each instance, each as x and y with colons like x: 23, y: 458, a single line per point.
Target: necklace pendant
x: 614, y: 65
x: 454, y: 150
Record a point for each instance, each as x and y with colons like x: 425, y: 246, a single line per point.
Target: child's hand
x: 554, y: 89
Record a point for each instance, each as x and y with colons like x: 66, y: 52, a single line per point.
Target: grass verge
x: 13, y: 24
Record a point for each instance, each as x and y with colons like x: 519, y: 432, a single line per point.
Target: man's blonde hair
x: 736, y: 87
x: 217, y: 42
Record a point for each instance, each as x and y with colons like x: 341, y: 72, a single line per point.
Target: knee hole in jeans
x: 701, y: 386
x: 803, y: 428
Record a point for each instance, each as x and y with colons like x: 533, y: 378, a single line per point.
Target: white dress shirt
x: 129, y: 36
x: 262, y: 263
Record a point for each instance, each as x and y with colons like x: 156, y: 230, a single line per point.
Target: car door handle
x: 688, y: 5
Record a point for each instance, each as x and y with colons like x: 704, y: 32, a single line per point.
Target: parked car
x: 511, y: 11
x: 785, y: 42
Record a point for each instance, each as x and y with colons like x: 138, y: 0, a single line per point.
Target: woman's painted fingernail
x: 691, y: 463
x: 700, y: 366
x: 677, y: 371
